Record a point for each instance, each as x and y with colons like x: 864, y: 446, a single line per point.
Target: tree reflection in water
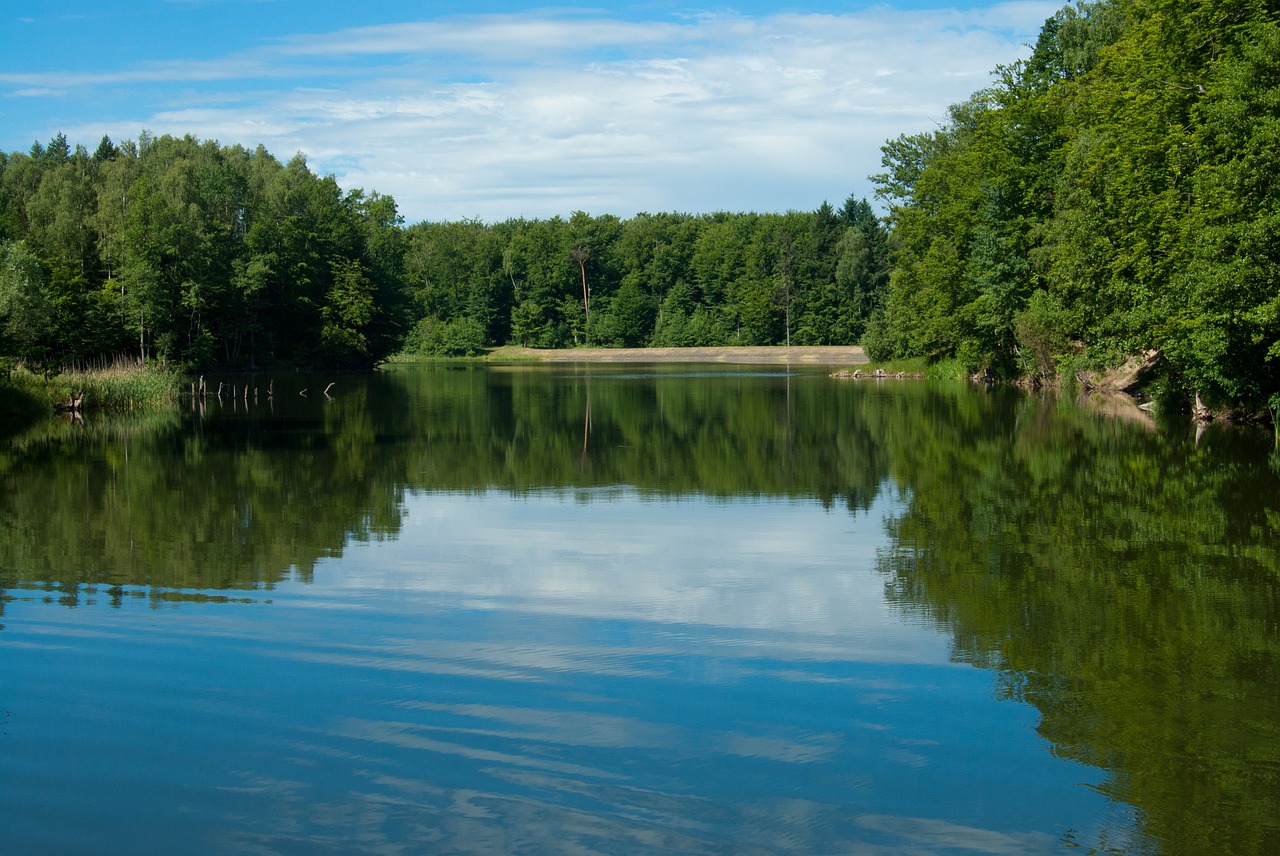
x: 1121, y: 580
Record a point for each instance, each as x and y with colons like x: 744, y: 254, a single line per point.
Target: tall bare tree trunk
x: 582, y: 253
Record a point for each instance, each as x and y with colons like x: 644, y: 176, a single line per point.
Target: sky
x: 493, y: 110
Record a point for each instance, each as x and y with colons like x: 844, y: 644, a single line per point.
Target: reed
x: 122, y: 386
x: 106, y: 387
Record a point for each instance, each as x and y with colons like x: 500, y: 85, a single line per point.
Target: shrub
x: 461, y: 337
x: 1043, y: 333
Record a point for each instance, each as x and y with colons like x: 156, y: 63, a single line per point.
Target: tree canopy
x: 192, y: 252
x: 666, y: 280
x: 1110, y: 194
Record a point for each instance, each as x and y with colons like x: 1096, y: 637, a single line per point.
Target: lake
x: 638, y: 609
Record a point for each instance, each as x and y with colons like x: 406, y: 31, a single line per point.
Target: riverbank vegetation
x: 192, y: 253
x: 201, y: 255
x: 655, y: 280
x: 1114, y: 194
x: 117, y: 387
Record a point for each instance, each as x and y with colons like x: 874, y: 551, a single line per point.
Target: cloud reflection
x: 789, y: 572
x: 928, y: 835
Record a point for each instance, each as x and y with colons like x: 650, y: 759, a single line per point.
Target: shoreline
x: 817, y: 355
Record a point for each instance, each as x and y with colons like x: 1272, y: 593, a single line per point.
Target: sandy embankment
x: 837, y: 355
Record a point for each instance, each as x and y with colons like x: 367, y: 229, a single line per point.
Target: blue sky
x: 495, y: 110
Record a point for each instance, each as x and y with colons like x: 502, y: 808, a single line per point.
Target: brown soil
x: 1127, y: 378
x: 840, y: 355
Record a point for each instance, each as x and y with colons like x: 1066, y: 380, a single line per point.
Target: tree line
x: 183, y: 251
x: 662, y: 280
x: 1116, y: 192
x: 191, y: 252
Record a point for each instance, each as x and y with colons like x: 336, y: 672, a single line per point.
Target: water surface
x: 638, y: 609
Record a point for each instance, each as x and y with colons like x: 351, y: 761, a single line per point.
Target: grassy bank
x: 113, y: 388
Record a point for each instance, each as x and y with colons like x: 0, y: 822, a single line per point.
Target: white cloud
x: 535, y: 115
x: 501, y: 37
x: 184, y: 71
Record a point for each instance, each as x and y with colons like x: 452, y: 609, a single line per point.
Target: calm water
x: 560, y: 610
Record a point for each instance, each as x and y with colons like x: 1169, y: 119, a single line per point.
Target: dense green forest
x: 192, y: 252
x: 200, y: 254
x: 1112, y: 194
x: 664, y: 280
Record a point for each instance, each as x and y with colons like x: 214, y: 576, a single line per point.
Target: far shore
x: 833, y: 355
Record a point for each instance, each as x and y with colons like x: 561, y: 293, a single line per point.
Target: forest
x: 1113, y: 194
x: 193, y: 253
x: 199, y: 254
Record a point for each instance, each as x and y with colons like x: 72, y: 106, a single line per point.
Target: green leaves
x: 657, y: 279
x: 1125, y: 175
x: 1043, y: 331
x: 348, y: 310
x: 26, y: 309
x: 202, y: 254
x: 1231, y: 307
x: 199, y: 254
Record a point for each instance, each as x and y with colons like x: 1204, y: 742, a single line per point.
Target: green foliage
x: 656, y: 279
x: 526, y: 323
x: 1115, y: 189
x: 23, y: 399
x: 631, y: 316
x: 682, y: 323
x: 200, y: 254
x: 415, y: 340
x: 1225, y: 334
x: 955, y: 369
x: 26, y: 307
x: 197, y: 254
x: 1043, y: 330
x: 117, y: 387
x: 459, y: 337
x: 347, y: 312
